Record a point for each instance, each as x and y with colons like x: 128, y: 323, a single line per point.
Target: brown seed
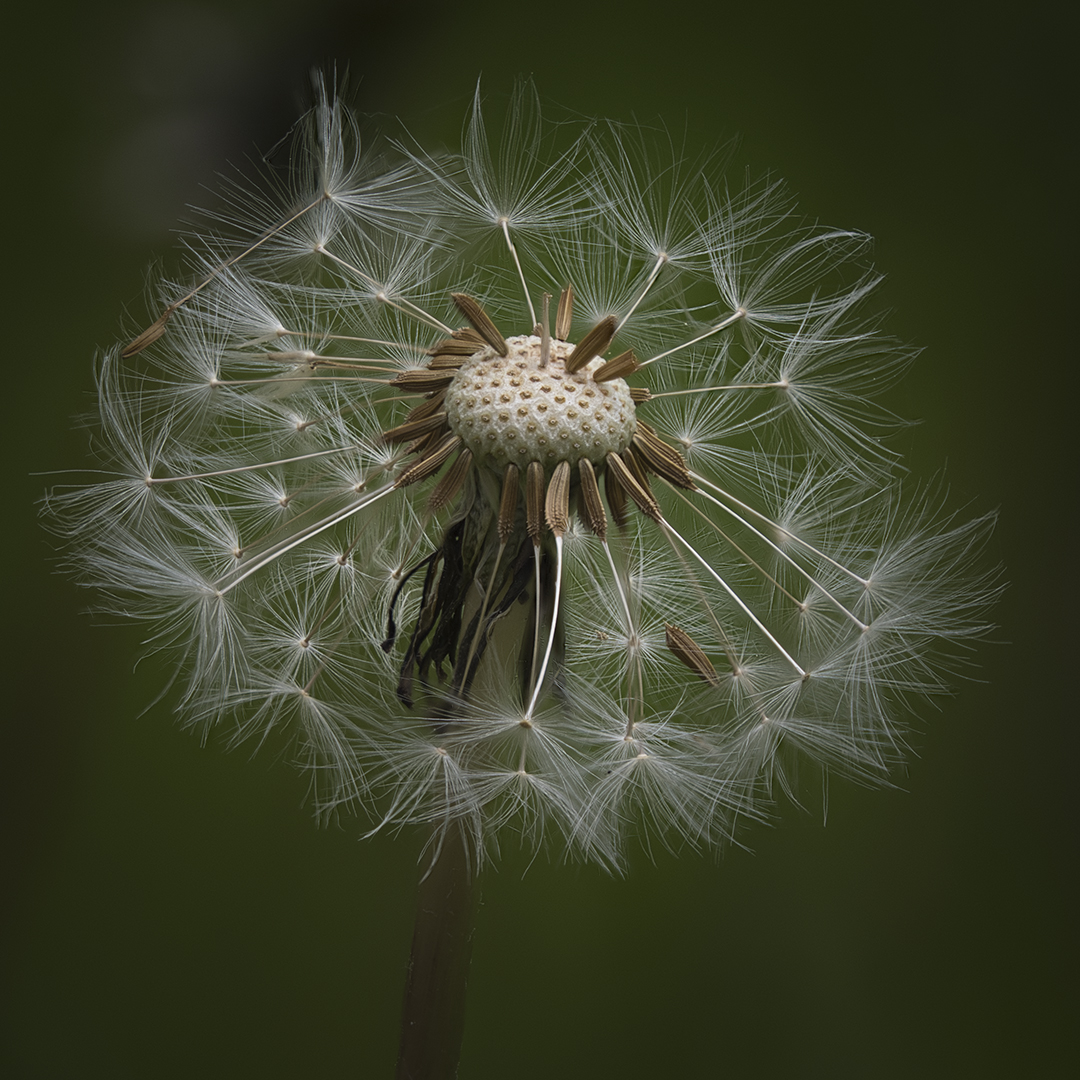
x: 590, y: 497
x: 616, y: 499
x: 450, y: 483
x: 662, y: 459
x: 619, y: 367
x: 426, y: 408
x: 426, y: 443
x: 462, y: 342
x: 430, y: 464
x: 635, y: 467
x: 557, y: 504
x: 483, y: 325
x: 565, y: 313
x: 149, y: 335
x: 619, y: 471
x: 691, y: 654
x: 449, y: 361
x: 592, y: 344
x: 421, y: 380
x: 411, y: 428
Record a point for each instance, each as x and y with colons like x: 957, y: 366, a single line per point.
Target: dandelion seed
x: 576, y: 580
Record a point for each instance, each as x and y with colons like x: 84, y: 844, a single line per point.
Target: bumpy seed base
x: 509, y: 409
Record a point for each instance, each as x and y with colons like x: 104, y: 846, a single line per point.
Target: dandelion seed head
x: 540, y: 490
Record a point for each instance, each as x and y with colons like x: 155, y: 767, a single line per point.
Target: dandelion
x: 538, y: 491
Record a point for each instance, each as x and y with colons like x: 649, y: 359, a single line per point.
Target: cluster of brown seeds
x: 537, y: 410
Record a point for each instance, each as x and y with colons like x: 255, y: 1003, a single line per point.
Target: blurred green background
x: 174, y: 911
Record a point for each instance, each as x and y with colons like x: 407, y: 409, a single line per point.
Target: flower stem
x: 433, y: 1018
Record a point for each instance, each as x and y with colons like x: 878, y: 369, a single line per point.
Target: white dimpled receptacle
x: 511, y: 410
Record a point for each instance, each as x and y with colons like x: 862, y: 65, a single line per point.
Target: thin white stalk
x: 551, y: 630
x: 723, y: 325
x: 666, y: 526
x: 779, y: 551
x: 151, y: 480
x: 277, y: 380
x: 269, y: 235
x: 406, y: 307
x: 709, y: 389
x: 743, y: 553
x: 661, y: 261
x: 521, y: 273
x: 285, y: 546
x: 285, y: 525
x: 536, y: 616
x: 347, y: 337
x: 618, y: 585
x: 768, y: 521
x: 309, y: 356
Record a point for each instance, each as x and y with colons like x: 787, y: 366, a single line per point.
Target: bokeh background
x: 174, y: 911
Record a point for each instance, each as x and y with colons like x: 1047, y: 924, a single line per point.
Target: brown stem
x: 433, y: 1018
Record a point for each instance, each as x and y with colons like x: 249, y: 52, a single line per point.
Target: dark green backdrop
x: 174, y: 911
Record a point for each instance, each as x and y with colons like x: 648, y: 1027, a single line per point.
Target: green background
x: 174, y: 911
